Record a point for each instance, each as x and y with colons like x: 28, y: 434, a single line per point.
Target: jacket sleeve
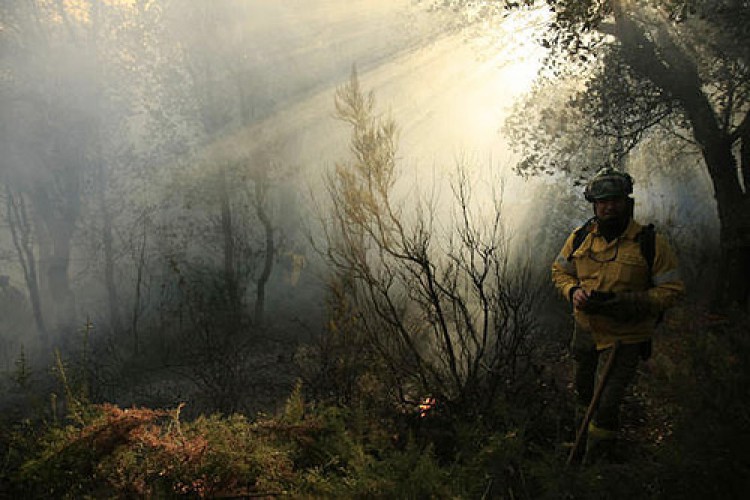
x: 668, y: 286
x: 564, y: 274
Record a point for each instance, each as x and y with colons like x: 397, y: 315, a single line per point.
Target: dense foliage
x: 693, y: 396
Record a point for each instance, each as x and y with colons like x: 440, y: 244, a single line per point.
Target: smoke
x: 148, y: 140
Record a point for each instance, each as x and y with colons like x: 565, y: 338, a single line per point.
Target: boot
x: 600, y: 445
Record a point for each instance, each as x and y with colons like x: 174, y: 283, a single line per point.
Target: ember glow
x: 426, y: 405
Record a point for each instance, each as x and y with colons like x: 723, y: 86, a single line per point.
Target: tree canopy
x: 643, y: 66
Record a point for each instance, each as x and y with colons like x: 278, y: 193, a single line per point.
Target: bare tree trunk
x: 230, y: 271
x: 733, y: 286
x: 57, y: 276
x: 109, y: 259
x: 140, y: 264
x: 261, y: 198
x: 102, y: 174
x: 745, y: 157
x: 57, y: 224
x: 20, y: 228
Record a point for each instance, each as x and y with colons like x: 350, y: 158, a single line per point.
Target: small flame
x: 426, y: 405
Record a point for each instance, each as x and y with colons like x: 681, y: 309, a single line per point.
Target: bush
x: 152, y: 453
x: 706, y: 456
x: 698, y: 388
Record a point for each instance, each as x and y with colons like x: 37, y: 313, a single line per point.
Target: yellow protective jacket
x: 619, y: 266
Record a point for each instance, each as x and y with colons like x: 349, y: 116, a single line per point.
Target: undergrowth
x: 695, y: 391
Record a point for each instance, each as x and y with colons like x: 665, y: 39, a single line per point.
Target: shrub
x: 706, y: 455
x: 152, y: 453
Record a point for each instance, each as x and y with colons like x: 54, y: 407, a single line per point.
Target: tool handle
x: 594, y: 403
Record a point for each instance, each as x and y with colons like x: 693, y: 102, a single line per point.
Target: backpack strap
x: 646, y: 238
x: 579, y: 236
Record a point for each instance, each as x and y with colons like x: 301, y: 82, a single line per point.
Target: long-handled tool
x: 594, y: 403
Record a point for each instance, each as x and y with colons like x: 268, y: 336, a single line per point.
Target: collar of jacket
x: 631, y: 231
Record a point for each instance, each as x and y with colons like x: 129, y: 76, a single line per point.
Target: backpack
x: 646, y: 238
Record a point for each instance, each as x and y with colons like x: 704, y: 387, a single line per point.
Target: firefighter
x: 620, y: 277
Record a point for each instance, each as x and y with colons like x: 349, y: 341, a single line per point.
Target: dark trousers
x: 589, y: 371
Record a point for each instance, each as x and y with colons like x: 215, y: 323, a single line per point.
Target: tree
x: 73, y: 89
x: 46, y: 135
x: 220, y: 76
x: 677, y: 64
x: 710, y: 82
x: 21, y: 229
x: 446, y: 314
